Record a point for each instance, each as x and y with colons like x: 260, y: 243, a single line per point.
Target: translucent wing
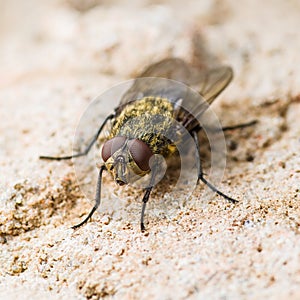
x: 171, y: 68
x: 213, y: 81
x: 208, y: 82
x: 147, y: 84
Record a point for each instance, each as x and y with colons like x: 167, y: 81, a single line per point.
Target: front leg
x: 86, y: 150
x: 145, y: 200
x: 154, y: 170
x: 97, y: 199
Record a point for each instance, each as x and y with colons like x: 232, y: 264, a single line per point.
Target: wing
x: 213, y: 81
x: 209, y: 83
x: 170, y: 68
x: 148, y: 83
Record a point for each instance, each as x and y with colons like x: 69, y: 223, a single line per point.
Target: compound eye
x: 141, y: 153
x: 111, y: 146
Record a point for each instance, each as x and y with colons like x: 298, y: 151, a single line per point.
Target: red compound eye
x: 141, y: 153
x: 111, y: 146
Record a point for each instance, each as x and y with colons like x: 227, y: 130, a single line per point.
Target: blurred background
x: 118, y: 38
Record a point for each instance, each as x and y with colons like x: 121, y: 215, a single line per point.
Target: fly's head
x: 126, y: 159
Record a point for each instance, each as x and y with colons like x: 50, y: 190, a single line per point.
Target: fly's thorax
x: 151, y: 120
x: 126, y: 159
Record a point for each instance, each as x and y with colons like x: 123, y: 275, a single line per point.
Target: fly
x: 142, y: 125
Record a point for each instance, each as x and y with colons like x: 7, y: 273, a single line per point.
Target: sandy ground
x: 55, y: 57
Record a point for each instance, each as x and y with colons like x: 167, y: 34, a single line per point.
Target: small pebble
x: 105, y: 220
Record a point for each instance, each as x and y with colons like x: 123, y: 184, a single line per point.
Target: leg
x: 147, y: 194
x: 97, y: 199
x: 239, y: 125
x: 200, y: 172
x: 145, y: 200
x: 88, y: 148
x: 197, y: 128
